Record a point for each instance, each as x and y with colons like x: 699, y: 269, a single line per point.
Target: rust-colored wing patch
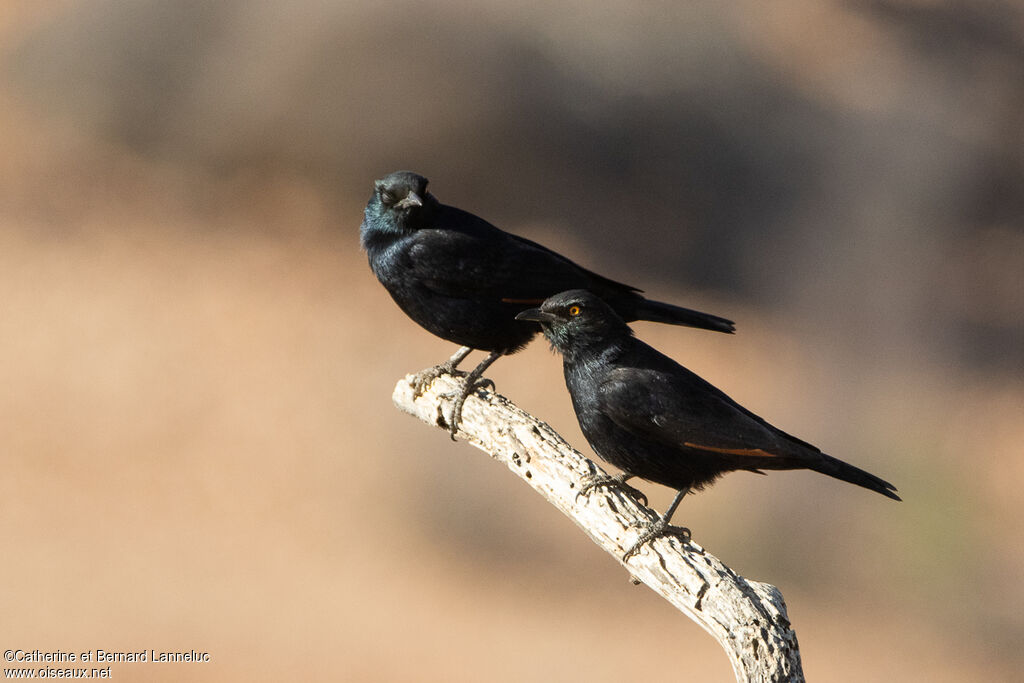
x: 754, y: 452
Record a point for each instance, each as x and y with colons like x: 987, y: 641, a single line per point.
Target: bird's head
x: 400, y: 201
x: 576, y: 319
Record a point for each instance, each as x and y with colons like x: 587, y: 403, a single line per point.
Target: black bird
x: 465, y: 280
x: 654, y: 419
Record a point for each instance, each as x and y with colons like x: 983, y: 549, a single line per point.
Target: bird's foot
x: 595, y: 481
x: 460, y: 400
x: 421, y: 381
x: 655, y: 530
x: 474, y: 380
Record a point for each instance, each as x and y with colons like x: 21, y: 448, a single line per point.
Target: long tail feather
x: 658, y: 312
x: 834, y: 467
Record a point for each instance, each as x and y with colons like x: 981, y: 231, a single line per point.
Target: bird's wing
x: 677, y: 408
x: 541, y: 254
x: 487, y: 263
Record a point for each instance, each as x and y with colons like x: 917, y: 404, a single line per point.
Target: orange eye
x: 574, y: 310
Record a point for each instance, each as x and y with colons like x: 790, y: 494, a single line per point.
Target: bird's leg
x: 473, y: 382
x: 661, y: 528
x: 424, y: 379
x: 594, y: 481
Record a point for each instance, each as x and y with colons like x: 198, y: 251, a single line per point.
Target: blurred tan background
x: 199, y: 449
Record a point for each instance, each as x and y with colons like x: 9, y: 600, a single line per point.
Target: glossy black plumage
x: 465, y: 280
x: 652, y: 418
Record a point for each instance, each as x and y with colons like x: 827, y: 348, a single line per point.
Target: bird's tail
x: 658, y: 312
x: 834, y: 467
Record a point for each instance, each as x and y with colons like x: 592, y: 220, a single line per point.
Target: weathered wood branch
x: 747, y: 618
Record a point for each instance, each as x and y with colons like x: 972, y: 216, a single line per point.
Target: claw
x: 422, y: 380
x: 453, y: 423
x: 655, y: 530
x: 608, y: 481
x: 474, y: 381
x: 662, y: 527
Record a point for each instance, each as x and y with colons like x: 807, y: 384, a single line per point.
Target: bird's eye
x: 574, y: 310
x: 387, y: 197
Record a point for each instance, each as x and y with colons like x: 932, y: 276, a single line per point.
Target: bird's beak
x: 537, y: 315
x: 412, y: 199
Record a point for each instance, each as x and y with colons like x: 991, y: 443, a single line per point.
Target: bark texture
x: 748, y: 618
